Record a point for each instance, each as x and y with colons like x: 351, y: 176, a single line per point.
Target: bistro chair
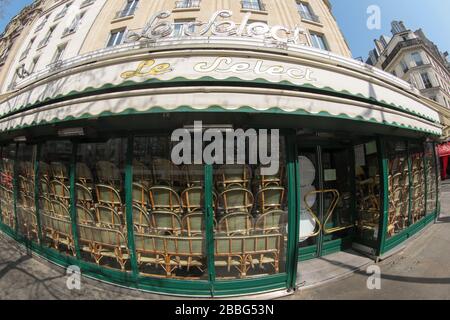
x: 237, y: 175
x: 237, y: 223
x: 108, y: 174
x: 103, y: 243
x: 271, y: 222
x: 84, y: 175
x: 44, y: 171
x: 84, y: 196
x: 236, y: 200
x: 45, y: 205
x: 194, y: 174
x: 108, y: 217
x: 192, y: 199
x: 59, y: 172
x: 84, y: 215
x: 270, y: 198
x: 166, y: 222
x: 193, y: 224
x: 141, y: 220
x: 264, y: 181
x: 60, y: 191
x: 44, y: 186
x: 108, y: 196
x: 164, y: 198
x: 140, y: 195
x: 185, y: 252
x: 60, y: 209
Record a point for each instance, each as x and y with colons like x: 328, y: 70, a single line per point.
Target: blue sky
x: 433, y: 18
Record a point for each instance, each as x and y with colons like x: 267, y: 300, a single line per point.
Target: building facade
x: 92, y: 173
x: 411, y: 56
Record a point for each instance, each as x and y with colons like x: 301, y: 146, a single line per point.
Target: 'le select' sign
x: 158, y: 28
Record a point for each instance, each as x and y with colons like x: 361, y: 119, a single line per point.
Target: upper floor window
x: 182, y: 4
x: 116, y: 38
x: 47, y: 37
x: 33, y: 64
x: 42, y: 24
x: 253, y: 5
x: 404, y: 66
x: 319, y: 41
x: 27, y: 49
x: 306, y: 12
x: 417, y: 58
x: 64, y: 10
x: 128, y: 10
x: 426, y: 80
x: 59, y: 53
x: 75, y: 23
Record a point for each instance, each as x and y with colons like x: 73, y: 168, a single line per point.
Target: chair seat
x: 192, y: 263
x: 263, y: 260
x: 151, y: 260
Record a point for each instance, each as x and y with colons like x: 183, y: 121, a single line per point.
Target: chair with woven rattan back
x: 164, y: 198
x: 84, y: 196
x: 85, y: 215
x: 109, y: 196
x: 108, y: 217
x: 270, y: 198
x: 166, y: 222
x: 141, y: 219
x: 194, y: 174
x: 236, y: 200
x: 271, y: 221
x: 140, y: 195
x: 60, y: 191
x: 60, y: 209
x: 236, y: 175
x: 273, y: 180
x: 237, y: 223
x: 84, y: 175
x: 59, y: 172
x: 193, y: 224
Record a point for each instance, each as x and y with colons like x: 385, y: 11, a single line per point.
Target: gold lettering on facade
x: 148, y: 68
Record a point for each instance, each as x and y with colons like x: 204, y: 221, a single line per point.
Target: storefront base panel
x: 408, y: 233
x: 328, y: 247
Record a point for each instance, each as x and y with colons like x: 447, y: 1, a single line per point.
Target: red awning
x: 444, y: 149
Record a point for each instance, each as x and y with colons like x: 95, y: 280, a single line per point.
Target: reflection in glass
x: 26, y: 209
x: 6, y: 185
x: 54, y: 196
x: 168, y: 212
x: 367, y: 190
x: 251, y: 215
x: 417, y: 182
x: 398, y: 184
x: 100, y: 203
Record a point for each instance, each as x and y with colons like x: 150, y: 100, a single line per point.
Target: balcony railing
x: 61, y: 14
x: 309, y: 16
x: 187, y: 4
x: 253, y: 5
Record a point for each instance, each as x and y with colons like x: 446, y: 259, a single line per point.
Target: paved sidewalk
x: 421, y: 271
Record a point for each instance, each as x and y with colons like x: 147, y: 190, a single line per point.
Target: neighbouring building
x: 96, y: 89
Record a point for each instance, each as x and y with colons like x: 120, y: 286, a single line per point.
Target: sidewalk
x: 421, y: 271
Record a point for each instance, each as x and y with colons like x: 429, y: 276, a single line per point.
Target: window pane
x: 100, y: 203
x: 250, y: 219
x: 367, y: 190
x: 54, y: 196
x: 418, y: 182
x: 26, y: 208
x: 398, y: 182
x: 168, y: 212
x: 8, y: 156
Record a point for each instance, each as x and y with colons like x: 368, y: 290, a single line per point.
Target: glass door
x: 326, y: 216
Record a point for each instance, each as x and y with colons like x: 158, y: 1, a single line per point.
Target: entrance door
x: 326, y: 219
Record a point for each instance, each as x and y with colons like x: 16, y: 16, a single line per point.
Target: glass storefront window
x: 168, y: 212
x: 100, y: 203
x: 26, y: 208
x: 417, y: 182
x: 8, y: 155
x: 367, y: 176
x: 250, y: 220
x: 431, y: 169
x: 398, y: 185
x: 54, y: 196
